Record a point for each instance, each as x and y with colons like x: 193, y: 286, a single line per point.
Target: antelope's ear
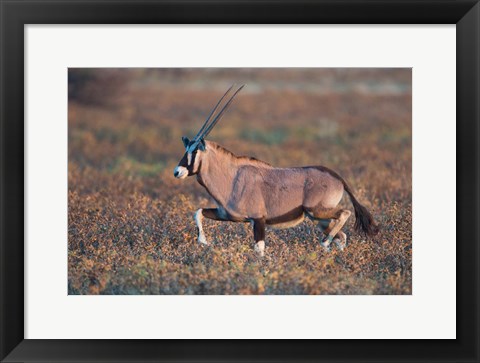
x: 201, y: 145
x: 186, y: 141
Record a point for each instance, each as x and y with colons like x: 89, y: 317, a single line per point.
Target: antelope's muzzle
x: 180, y: 172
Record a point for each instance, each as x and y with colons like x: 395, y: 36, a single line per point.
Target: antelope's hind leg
x: 210, y: 213
x: 331, y: 223
x: 325, y: 226
x: 334, y: 233
x: 340, y: 239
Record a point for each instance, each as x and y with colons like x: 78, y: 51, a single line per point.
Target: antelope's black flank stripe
x: 287, y: 217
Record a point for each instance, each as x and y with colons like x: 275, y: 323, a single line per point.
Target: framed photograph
x: 240, y: 181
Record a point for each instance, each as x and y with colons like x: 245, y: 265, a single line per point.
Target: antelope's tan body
x: 249, y: 189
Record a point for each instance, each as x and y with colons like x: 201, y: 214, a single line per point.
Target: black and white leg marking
x: 259, y: 236
x: 326, y: 226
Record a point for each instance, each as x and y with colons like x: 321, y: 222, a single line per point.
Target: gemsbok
x: 249, y: 190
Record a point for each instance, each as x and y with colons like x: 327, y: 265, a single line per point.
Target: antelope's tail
x: 363, y: 219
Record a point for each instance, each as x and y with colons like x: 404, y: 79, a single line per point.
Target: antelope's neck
x: 217, y: 175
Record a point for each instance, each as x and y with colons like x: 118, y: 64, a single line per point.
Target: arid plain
x: 130, y: 222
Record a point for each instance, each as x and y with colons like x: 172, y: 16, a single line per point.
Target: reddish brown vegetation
x: 131, y: 228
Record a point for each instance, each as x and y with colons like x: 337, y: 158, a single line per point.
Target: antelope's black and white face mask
x: 191, y: 161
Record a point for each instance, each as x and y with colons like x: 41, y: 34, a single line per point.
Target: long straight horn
x: 211, y: 113
x: 219, y: 115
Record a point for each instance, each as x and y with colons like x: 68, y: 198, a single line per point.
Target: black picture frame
x: 16, y: 14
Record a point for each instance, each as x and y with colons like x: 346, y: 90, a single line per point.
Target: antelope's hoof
x: 340, y: 244
x: 260, y: 253
x: 201, y: 239
x: 326, y: 248
x: 341, y: 240
x: 325, y: 243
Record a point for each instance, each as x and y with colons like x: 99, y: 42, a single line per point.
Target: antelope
x: 249, y: 190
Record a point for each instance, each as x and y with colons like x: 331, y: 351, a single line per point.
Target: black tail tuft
x: 363, y: 219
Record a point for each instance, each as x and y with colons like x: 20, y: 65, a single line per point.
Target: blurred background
x: 125, y: 128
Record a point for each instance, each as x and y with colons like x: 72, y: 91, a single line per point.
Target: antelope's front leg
x: 210, y: 213
x: 259, y: 236
x: 198, y: 220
